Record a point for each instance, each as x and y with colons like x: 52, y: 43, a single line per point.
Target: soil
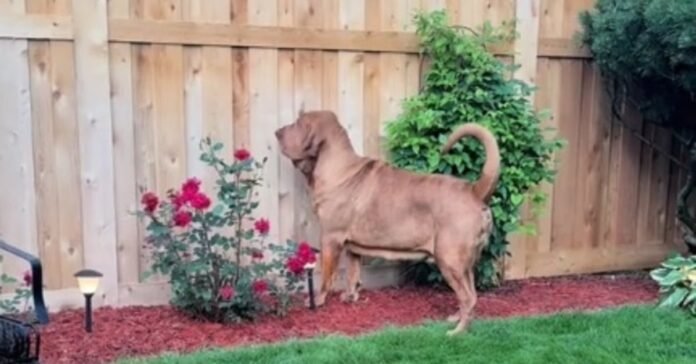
x: 138, y: 331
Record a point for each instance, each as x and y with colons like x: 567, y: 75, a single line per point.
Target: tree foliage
x: 648, y: 48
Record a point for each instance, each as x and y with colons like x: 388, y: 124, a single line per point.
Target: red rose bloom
x: 262, y: 226
x: 295, y: 265
x: 259, y: 287
x: 182, y: 218
x: 200, y: 201
x: 191, y: 186
x: 150, y: 202
x: 177, y: 200
x: 305, y: 253
x: 241, y: 154
x: 27, y: 278
x: 257, y: 254
x: 226, y: 292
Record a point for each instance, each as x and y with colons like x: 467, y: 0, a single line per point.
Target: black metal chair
x: 20, y: 341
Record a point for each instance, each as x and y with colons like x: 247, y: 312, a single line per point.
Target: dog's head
x: 304, y: 140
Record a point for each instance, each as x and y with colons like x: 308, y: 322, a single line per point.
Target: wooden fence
x: 100, y: 100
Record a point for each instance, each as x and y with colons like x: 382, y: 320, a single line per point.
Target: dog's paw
x: 348, y: 297
x: 461, y: 327
x: 454, y: 332
x: 453, y: 317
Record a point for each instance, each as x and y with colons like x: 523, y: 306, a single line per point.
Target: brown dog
x: 372, y: 209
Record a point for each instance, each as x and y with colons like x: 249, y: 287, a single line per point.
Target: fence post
x: 90, y: 21
x: 526, y: 51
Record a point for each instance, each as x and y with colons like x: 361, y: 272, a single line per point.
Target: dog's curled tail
x: 483, y: 188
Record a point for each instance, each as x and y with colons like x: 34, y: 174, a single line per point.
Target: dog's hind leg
x: 330, y: 253
x: 353, y: 278
x: 451, y: 268
x: 470, y: 286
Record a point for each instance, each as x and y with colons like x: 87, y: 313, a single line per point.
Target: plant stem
x: 238, y: 236
x: 215, y: 277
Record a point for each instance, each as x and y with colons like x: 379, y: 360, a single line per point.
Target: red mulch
x: 137, y: 331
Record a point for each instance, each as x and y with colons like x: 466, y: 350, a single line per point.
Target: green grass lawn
x: 626, y: 335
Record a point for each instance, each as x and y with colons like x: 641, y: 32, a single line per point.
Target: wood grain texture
x: 586, y: 228
x: 526, y: 49
x: 47, y: 207
x: 122, y: 111
x: 96, y: 137
x: 309, y: 81
x: 372, y: 87
x: 18, y: 225
x: 565, y: 187
x: 67, y: 152
x: 263, y: 114
x: 209, y: 90
x: 44, y: 167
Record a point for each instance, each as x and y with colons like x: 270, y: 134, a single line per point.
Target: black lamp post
x: 88, y: 282
x: 310, y: 284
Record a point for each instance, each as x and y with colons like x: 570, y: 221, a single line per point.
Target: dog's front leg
x: 353, y: 278
x: 330, y: 253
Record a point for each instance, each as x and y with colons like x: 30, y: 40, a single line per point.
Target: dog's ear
x: 313, y: 140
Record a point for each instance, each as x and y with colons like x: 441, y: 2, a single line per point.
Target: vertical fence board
x: 66, y: 153
x: 240, y: 79
x: 96, y: 137
x: 287, y: 114
x: 18, y: 224
x: 44, y: 168
x: 372, y: 87
x: 659, y: 189
x: 47, y: 210
x: 392, y: 68
x: 263, y: 112
x: 207, y: 89
x: 589, y: 142
x: 143, y: 105
x: 308, y: 95
x: 565, y: 187
x: 548, y: 74
x: 122, y: 109
x: 526, y: 49
x: 626, y: 216
x: 351, y: 75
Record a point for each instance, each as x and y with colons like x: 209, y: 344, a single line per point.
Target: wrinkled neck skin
x: 333, y: 167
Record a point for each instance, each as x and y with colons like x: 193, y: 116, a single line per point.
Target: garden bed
x: 136, y: 331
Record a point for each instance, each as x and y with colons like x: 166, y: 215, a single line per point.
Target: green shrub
x: 466, y: 83
x: 215, y: 256
x: 677, y: 279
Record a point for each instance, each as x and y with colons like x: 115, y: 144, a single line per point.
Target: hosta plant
x: 677, y: 280
x: 214, y: 251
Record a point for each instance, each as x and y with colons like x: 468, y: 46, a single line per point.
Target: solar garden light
x: 310, y: 284
x: 88, y: 282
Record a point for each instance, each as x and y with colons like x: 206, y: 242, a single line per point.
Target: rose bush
x: 215, y: 253
x: 16, y: 304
